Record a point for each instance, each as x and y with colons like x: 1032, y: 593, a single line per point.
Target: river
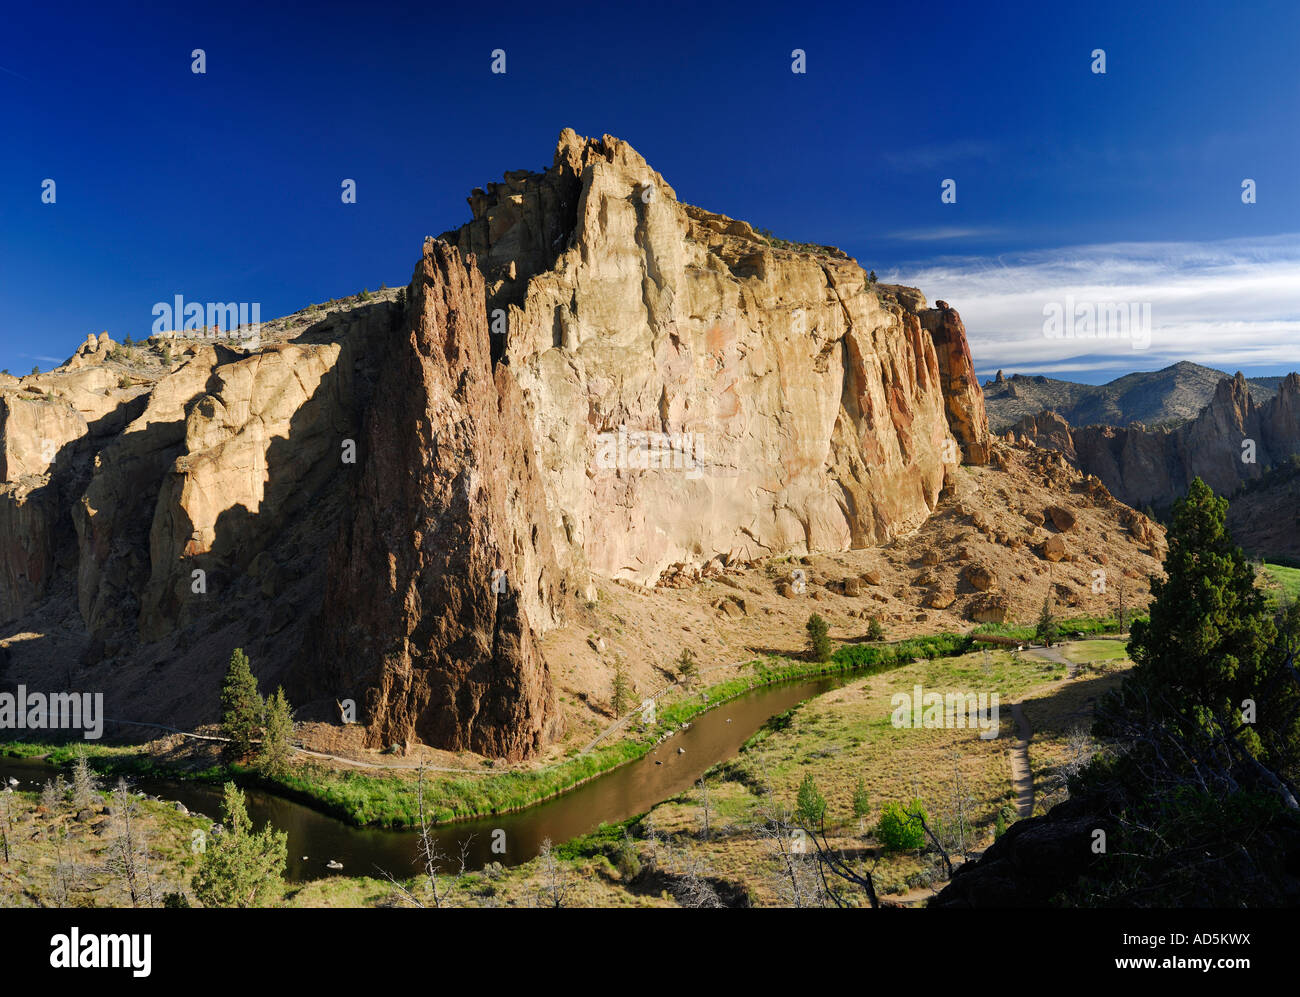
x: 316, y: 839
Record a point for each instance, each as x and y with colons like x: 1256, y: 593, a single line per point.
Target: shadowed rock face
x: 445, y: 503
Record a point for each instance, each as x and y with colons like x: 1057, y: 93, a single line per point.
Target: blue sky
x: 225, y: 186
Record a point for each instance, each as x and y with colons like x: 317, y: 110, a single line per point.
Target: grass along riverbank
x: 389, y: 800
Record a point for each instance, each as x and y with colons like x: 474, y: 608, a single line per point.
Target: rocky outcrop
x: 594, y: 381
x: 1232, y: 441
x: 444, y: 566
x: 673, y: 359
x: 962, y: 396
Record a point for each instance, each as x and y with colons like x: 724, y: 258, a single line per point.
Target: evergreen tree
x: 621, y: 700
x: 861, y: 801
x: 686, y: 666
x: 1210, y: 642
x: 241, y: 705
x: 240, y: 867
x: 277, y: 734
x: 810, y: 805
x: 1046, y: 630
x: 819, y: 643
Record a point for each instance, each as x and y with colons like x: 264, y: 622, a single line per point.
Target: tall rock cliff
x: 443, y: 566
x: 796, y: 407
x: 589, y: 379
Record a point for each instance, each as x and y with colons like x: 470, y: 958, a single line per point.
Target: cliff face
x: 594, y: 381
x: 443, y: 565
x: 1154, y: 467
x: 798, y: 409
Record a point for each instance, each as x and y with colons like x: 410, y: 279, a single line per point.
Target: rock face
x: 444, y: 565
x: 962, y: 396
x: 588, y: 380
x: 673, y: 359
x: 1153, y: 467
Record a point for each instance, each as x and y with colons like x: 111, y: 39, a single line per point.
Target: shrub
x: 819, y: 643
x: 861, y: 801
x: 899, y: 830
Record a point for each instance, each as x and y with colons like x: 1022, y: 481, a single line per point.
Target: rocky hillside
x: 1166, y: 398
x: 396, y: 499
x: 1233, y: 440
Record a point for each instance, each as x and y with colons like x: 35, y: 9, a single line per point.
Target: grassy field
x: 389, y: 799
x: 1282, y: 581
x: 1084, y: 651
x: 846, y: 737
x: 365, y: 798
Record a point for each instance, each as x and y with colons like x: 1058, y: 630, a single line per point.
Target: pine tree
x: 277, y: 734
x: 1046, y: 630
x: 1209, y: 637
x: 819, y: 642
x: 621, y: 700
x: 810, y: 807
x: 241, y: 706
x: 686, y: 666
x: 241, y: 868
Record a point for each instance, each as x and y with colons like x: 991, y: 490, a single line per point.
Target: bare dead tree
x: 128, y: 855
x: 557, y: 887
x: 704, y: 808
x: 440, y: 888
x: 6, y: 820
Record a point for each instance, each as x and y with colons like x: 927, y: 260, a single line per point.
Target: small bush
x: 899, y: 830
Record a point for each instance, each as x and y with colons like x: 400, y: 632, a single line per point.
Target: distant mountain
x: 1167, y: 397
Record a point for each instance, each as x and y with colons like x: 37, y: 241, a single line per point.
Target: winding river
x: 316, y: 839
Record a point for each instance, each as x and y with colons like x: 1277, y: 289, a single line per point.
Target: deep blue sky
x: 225, y: 186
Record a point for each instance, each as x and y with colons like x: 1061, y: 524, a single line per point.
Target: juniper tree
x: 810, y: 806
x: 1046, y: 630
x: 819, y: 642
x: 621, y: 700
x: 241, y: 705
x: 240, y: 867
x: 277, y: 735
x: 686, y: 666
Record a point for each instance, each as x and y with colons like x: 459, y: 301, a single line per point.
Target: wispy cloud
x: 941, y: 234
x: 929, y: 157
x: 1226, y: 304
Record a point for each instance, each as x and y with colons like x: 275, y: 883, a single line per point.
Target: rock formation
x: 798, y: 408
x: 587, y: 380
x: 444, y: 564
x: 1154, y: 467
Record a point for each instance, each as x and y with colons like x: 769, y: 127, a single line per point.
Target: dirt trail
x: 1022, y: 776
x: 1052, y: 654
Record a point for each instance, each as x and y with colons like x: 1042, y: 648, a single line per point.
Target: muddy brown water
x: 316, y: 839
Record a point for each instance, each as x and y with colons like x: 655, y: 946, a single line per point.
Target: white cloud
x: 940, y: 234
x: 1227, y: 304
